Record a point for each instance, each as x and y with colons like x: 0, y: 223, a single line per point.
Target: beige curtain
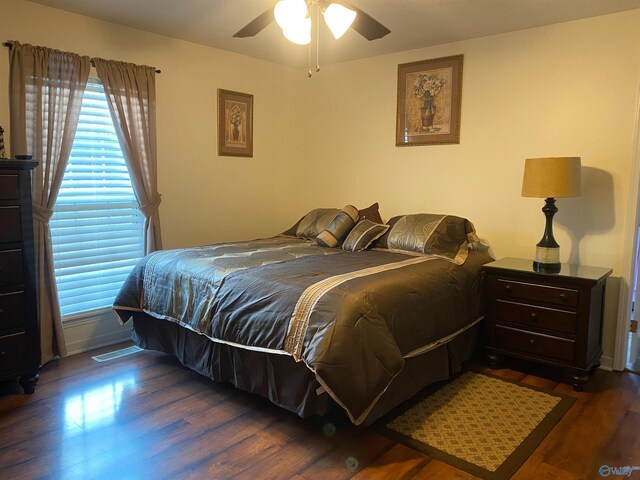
x: 45, y: 91
x: 131, y: 94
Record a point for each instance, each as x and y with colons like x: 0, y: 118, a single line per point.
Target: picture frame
x: 429, y: 102
x: 235, y: 124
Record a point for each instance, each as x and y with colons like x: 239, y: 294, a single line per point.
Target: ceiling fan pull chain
x: 309, y: 70
x: 317, y: 38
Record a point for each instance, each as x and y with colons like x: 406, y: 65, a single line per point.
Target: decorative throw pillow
x: 371, y: 213
x: 363, y: 235
x: 445, y: 235
x: 339, y: 227
x: 315, y: 222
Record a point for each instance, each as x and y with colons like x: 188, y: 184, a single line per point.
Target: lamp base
x: 547, y: 259
x: 547, y: 267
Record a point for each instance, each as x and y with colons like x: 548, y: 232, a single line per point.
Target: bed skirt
x: 289, y: 384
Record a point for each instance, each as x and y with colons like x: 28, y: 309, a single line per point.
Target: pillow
x: 339, y: 227
x: 371, y: 213
x: 315, y: 222
x: 291, y: 231
x: 363, y: 235
x: 444, y: 235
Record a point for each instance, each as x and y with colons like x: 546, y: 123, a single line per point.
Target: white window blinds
x: 96, y: 228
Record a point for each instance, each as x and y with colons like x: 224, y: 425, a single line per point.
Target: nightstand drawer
x: 537, y: 292
x: 535, y: 316
x: 10, y: 267
x: 13, y: 351
x: 11, y: 230
x: 9, y: 187
x: 12, y: 312
x: 535, y: 343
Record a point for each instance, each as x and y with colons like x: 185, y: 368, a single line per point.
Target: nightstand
x: 549, y: 318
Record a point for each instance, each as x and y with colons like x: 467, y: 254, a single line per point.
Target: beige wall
x: 567, y: 89
x: 206, y: 198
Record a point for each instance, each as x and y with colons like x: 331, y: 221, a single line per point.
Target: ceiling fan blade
x: 256, y: 25
x: 365, y: 24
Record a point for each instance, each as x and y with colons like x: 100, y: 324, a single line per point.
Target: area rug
x: 482, y: 424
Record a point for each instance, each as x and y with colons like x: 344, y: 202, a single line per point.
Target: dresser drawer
x: 535, y: 316
x: 13, y: 352
x: 538, y: 344
x: 10, y: 267
x: 12, y: 313
x: 11, y: 230
x: 9, y: 187
x: 539, y: 293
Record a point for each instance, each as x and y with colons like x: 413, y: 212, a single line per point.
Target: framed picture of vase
x: 235, y: 124
x: 429, y: 102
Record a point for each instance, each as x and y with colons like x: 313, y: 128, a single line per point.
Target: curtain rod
x: 8, y: 43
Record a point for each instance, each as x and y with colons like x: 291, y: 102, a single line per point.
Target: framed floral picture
x: 429, y: 101
x: 235, y: 124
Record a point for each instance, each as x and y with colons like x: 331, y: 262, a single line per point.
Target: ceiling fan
x: 294, y: 17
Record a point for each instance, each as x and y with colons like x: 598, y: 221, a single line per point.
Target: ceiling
x: 413, y: 23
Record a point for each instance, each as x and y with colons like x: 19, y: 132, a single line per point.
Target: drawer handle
x: 507, y: 288
x: 532, y: 341
x: 563, y: 297
x: 534, y: 317
x: 2, y: 353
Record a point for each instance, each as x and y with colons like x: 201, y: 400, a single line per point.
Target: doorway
x: 633, y: 351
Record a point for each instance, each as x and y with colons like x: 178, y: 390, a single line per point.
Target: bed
x: 314, y: 327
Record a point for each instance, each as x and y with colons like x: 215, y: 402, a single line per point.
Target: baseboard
x: 94, y: 330
x: 606, y: 363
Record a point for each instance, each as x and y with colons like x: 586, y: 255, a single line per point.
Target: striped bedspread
x: 352, y: 318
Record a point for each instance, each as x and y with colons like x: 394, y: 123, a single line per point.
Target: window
x: 96, y: 228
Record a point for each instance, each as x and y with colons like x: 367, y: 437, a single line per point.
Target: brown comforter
x: 352, y: 318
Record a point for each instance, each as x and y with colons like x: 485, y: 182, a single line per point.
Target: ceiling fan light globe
x: 300, y: 33
x: 289, y: 13
x: 338, y: 18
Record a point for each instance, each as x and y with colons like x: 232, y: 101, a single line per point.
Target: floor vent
x: 105, y: 357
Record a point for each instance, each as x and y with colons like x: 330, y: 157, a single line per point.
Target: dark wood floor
x: 146, y: 417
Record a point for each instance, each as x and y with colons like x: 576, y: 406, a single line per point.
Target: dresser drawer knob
x: 563, y: 297
x: 534, y: 317
x: 2, y: 354
x: 532, y: 341
x: 507, y: 288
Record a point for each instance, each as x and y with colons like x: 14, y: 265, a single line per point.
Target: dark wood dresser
x: 19, y: 333
x: 549, y: 318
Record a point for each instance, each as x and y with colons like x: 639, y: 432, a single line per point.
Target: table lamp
x: 550, y: 178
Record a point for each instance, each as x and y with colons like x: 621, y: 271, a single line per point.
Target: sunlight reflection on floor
x: 97, y: 407
x: 92, y: 433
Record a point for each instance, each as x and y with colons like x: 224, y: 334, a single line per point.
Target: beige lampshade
x: 551, y: 177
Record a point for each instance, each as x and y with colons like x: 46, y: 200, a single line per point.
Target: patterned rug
x: 484, y: 425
